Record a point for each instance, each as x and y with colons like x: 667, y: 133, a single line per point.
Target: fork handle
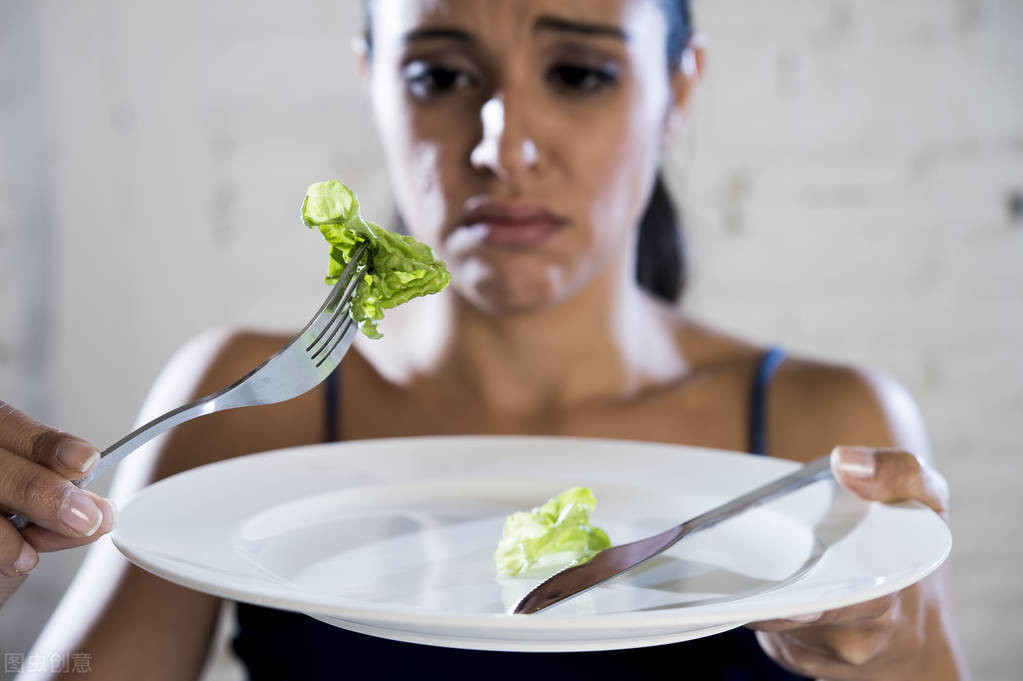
x: 140, y: 436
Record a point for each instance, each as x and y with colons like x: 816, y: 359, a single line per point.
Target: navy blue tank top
x: 276, y: 645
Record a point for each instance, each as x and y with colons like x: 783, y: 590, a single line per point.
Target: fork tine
x: 336, y: 321
x: 340, y: 296
x: 283, y: 376
x: 349, y: 323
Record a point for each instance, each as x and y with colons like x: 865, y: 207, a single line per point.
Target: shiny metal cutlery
x: 295, y: 369
x: 616, y: 560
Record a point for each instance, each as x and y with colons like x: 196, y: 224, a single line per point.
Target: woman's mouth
x: 512, y: 224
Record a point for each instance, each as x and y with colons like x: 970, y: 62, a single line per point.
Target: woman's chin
x: 504, y: 289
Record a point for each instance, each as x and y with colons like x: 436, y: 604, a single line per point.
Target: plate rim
x: 378, y: 614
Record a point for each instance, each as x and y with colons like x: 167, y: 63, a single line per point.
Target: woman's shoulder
x: 816, y: 404
x: 216, y: 359
x: 225, y: 351
x: 210, y: 361
x: 813, y: 404
x: 203, y: 365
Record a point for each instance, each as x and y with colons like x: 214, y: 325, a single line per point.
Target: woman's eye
x: 430, y: 80
x: 580, y: 79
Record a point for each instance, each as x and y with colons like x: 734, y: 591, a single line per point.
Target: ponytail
x: 660, y: 250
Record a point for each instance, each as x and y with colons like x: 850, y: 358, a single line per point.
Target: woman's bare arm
x: 131, y: 624
x: 909, y: 634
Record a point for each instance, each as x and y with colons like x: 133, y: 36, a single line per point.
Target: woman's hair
x: 661, y: 265
x: 660, y: 250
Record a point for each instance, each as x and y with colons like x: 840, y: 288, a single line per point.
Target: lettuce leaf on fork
x: 555, y: 535
x: 399, y: 267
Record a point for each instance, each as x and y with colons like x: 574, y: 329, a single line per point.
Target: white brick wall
x: 847, y: 178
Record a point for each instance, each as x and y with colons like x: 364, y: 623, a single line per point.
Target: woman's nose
x: 505, y: 148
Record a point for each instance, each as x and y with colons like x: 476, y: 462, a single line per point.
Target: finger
x: 66, y: 454
x: 17, y: 556
x: 850, y: 643
x: 889, y: 475
x: 45, y: 498
x: 874, y: 609
x: 44, y: 541
x: 806, y: 658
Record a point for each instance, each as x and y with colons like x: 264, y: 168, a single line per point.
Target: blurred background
x: 851, y: 178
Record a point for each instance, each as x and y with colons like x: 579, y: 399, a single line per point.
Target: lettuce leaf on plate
x: 557, y: 534
x: 399, y: 267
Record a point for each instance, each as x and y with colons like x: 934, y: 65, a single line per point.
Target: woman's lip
x: 510, y: 213
x: 513, y: 224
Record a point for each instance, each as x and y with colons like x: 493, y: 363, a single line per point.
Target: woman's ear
x: 684, y: 79
x: 360, y: 51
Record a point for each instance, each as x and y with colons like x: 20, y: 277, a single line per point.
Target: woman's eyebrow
x: 553, y: 23
x: 436, y: 33
x: 544, y: 22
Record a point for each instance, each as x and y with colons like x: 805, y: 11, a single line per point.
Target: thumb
x: 889, y: 475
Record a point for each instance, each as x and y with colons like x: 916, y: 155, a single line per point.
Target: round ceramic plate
x: 395, y: 538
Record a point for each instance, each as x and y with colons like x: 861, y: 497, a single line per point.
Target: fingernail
x: 80, y: 513
x: 108, y: 510
x: 805, y: 619
x: 856, y: 462
x: 27, y: 559
x: 76, y: 455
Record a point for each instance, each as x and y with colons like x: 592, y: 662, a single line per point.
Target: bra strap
x: 766, y: 368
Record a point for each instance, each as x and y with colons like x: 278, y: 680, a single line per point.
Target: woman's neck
x: 608, y: 341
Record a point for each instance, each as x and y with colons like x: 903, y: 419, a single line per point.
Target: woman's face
x: 522, y: 137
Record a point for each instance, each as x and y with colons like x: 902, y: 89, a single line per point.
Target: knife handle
x: 818, y: 469
x: 616, y: 560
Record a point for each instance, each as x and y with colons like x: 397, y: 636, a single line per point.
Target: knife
x: 616, y: 560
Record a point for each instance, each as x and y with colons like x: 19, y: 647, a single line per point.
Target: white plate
x: 395, y: 538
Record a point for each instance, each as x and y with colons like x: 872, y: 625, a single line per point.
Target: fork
x: 295, y: 369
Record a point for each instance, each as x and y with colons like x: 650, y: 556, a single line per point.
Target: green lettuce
x: 399, y: 267
x: 556, y: 534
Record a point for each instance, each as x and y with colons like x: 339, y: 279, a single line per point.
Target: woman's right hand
x: 37, y: 464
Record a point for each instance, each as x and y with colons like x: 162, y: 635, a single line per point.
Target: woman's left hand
x: 906, y: 635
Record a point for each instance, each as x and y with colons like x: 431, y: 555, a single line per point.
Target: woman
x: 524, y: 140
